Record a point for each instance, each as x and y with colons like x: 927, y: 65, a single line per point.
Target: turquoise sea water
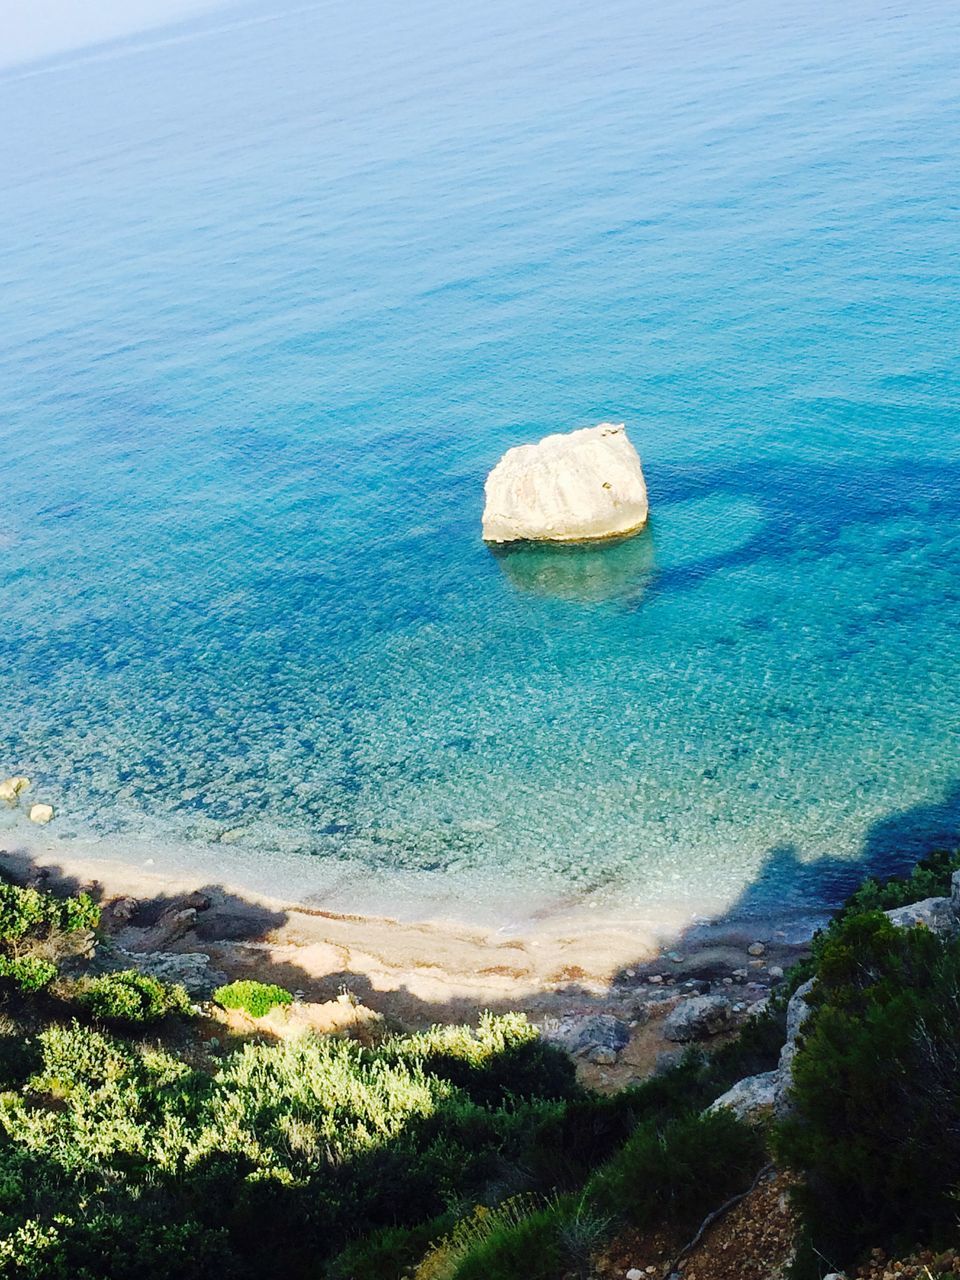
x: 279, y: 287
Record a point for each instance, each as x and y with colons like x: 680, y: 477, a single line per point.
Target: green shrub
x: 877, y: 1088
x: 34, y: 912
x: 29, y: 973
x: 672, y: 1172
x: 503, y: 1057
x: 255, y: 998
x: 132, y: 997
x: 518, y: 1237
x: 390, y: 1252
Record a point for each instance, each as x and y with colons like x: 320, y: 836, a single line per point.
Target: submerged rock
x: 41, y: 813
x: 698, y: 1018
x: 11, y: 789
x: 567, y: 488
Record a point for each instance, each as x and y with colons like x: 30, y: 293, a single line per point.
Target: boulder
x: 174, y: 924
x: 698, y: 1018
x: 955, y: 893
x: 567, y: 488
x: 936, y: 914
x: 41, y: 813
x: 122, y: 910
x: 598, y: 1037
x: 750, y: 1098
x: 11, y: 789
x: 797, y: 1013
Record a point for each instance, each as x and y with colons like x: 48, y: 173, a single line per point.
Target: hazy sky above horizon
x: 31, y: 29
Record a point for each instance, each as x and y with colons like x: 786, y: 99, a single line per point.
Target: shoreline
x: 416, y: 973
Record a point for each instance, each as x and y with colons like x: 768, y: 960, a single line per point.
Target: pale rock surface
x: 41, y: 813
x: 11, y: 789
x: 798, y: 1011
x: 749, y: 1098
x: 937, y: 914
x: 567, y: 488
x: 698, y: 1018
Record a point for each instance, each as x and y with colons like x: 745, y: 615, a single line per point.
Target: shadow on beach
x: 319, y: 954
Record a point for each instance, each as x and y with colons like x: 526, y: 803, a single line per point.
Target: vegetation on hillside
x: 457, y: 1153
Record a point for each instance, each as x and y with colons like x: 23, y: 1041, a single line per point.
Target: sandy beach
x: 419, y: 973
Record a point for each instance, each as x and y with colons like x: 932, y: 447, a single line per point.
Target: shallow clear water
x: 278, y: 289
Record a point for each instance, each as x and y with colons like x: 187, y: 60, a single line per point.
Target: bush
x: 255, y: 998
x: 517, y: 1238
x: 672, y: 1172
x: 389, y: 1253
x: 29, y: 973
x: 132, y: 997
x: 36, y: 931
x: 877, y: 1088
x: 26, y: 912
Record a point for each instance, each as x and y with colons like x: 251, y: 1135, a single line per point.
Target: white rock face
x: 568, y: 488
x: 749, y: 1098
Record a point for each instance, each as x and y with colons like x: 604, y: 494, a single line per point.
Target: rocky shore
x: 621, y: 1022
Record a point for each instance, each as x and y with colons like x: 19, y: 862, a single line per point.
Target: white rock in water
x: 41, y: 813
x: 585, y: 484
x: 11, y: 789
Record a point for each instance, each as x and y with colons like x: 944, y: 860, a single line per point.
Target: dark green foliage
x: 529, y: 1250
x: 877, y: 1088
x: 255, y: 998
x: 386, y: 1254
x: 132, y: 998
x: 668, y: 1171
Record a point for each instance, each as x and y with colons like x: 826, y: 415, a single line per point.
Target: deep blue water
x: 279, y: 287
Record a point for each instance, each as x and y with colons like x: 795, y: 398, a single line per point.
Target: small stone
x: 635, y: 1274
x: 728, y: 982
x: 739, y: 975
x: 630, y: 973
x: 675, y: 956
x: 775, y: 972
x: 41, y: 813
x: 756, y: 949
x: 655, y: 978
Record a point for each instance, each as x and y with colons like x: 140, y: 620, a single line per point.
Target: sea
x: 281, y: 283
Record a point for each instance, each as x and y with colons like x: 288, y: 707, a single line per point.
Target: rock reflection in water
x: 612, y: 571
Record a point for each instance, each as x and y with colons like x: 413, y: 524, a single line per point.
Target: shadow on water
x: 613, y: 571
x: 242, y: 935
